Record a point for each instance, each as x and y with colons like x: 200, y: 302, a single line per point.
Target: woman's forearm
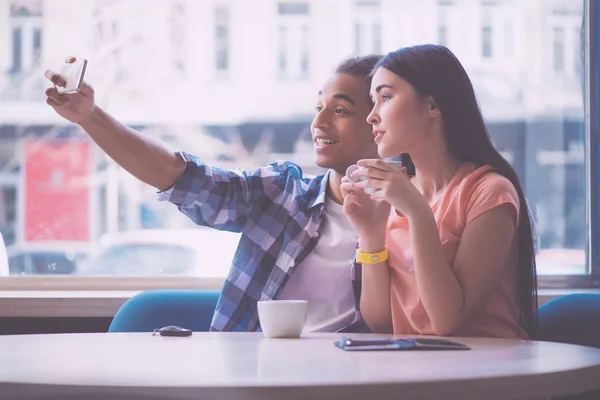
x: 439, y: 289
x: 375, y: 304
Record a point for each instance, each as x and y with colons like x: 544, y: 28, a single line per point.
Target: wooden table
x: 248, y: 366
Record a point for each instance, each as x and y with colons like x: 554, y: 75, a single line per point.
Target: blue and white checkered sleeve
x: 220, y: 198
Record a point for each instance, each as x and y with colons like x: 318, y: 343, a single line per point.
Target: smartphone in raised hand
x: 73, y: 73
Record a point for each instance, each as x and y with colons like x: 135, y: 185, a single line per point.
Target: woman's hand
x: 391, y: 185
x: 367, y: 216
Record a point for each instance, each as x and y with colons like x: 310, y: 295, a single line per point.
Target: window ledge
x: 545, y: 295
x: 75, y: 297
x: 105, y: 303
x: 62, y: 303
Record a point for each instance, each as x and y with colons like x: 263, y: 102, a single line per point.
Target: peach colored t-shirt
x: 471, y: 192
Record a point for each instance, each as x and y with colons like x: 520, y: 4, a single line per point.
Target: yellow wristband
x: 371, y: 258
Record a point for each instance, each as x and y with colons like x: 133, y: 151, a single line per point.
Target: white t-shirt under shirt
x: 323, y: 278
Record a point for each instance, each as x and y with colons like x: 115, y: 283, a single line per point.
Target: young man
x: 296, y: 242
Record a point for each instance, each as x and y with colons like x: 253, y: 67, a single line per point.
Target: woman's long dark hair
x: 435, y: 71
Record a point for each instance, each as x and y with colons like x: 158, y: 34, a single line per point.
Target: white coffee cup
x: 282, y: 318
x: 354, y: 179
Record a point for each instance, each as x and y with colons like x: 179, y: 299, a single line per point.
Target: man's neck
x: 334, y: 191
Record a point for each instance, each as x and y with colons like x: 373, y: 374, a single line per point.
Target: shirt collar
x: 319, y: 199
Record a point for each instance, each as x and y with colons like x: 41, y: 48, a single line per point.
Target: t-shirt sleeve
x: 490, y: 191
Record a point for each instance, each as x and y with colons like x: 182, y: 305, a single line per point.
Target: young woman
x: 445, y: 242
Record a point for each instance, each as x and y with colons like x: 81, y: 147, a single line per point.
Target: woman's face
x: 401, y: 117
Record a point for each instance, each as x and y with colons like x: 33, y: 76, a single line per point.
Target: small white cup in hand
x: 282, y: 318
x: 354, y: 179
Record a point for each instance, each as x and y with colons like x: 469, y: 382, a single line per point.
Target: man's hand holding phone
x: 71, y: 97
x: 146, y: 159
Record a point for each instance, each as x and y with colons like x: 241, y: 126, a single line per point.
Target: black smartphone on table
x: 350, y: 344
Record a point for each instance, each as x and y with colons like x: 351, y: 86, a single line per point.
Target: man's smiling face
x: 340, y: 132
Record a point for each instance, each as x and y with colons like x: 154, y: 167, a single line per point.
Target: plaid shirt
x: 279, y: 212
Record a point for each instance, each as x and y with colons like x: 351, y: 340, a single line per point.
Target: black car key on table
x: 173, y: 330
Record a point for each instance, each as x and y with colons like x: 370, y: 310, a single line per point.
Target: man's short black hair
x: 359, y: 66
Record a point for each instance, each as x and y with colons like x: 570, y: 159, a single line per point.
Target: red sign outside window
x: 57, y: 190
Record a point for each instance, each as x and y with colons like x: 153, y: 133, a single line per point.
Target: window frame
x: 592, y: 67
x: 592, y: 153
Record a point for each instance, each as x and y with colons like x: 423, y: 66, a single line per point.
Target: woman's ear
x: 434, y: 110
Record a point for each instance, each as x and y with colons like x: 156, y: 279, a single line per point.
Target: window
x: 178, y: 37
x: 26, y: 32
x: 37, y: 41
x: 565, y: 37
x: 107, y: 41
x: 579, y: 52
x: 8, y: 206
x: 62, y: 199
x: 486, y: 42
x: 304, y: 68
x: 377, y: 39
x: 558, y: 49
x: 294, y: 41
x: 120, y: 44
x: 443, y: 35
x: 283, y: 57
x: 444, y: 8
x: 486, y: 31
x: 508, y: 37
x: 17, y: 43
x: 367, y: 28
x: 290, y: 8
x: 222, y: 38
